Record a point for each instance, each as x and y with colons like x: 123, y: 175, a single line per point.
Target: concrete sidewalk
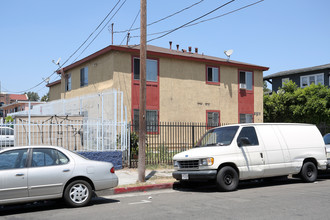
x: 128, y: 181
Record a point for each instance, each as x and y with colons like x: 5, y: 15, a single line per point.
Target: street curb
x: 142, y: 188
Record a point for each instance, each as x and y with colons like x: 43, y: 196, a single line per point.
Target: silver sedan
x: 35, y: 173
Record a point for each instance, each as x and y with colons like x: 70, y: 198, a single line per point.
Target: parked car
x: 6, y: 137
x: 34, y: 173
x: 327, y: 145
x: 251, y: 151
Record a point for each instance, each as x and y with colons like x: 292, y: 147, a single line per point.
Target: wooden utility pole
x: 143, y: 102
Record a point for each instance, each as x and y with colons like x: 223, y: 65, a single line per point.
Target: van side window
x: 250, y: 133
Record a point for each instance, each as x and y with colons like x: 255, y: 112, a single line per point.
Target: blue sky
x: 280, y: 34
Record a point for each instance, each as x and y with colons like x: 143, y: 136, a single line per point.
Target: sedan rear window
x: 48, y: 157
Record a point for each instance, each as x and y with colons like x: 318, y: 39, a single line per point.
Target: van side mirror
x: 243, y: 141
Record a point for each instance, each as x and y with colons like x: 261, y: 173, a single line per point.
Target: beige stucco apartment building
x: 182, y: 86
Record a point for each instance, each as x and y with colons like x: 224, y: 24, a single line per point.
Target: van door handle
x: 261, y: 155
x: 66, y: 170
x: 20, y: 174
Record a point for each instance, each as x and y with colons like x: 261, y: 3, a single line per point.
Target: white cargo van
x: 251, y: 151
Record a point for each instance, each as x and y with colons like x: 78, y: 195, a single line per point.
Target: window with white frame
x: 245, y: 80
x: 151, y: 70
x: 285, y: 80
x: 245, y: 118
x: 213, y: 75
x: 68, y: 82
x: 84, y: 76
x: 309, y: 79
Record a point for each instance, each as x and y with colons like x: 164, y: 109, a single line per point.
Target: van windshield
x: 218, y: 137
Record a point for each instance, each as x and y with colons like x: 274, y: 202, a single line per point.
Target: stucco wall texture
x: 184, y: 95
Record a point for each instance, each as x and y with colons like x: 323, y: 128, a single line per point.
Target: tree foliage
x: 45, y: 98
x: 300, y: 105
x: 33, y: 96
x: 266, y: 90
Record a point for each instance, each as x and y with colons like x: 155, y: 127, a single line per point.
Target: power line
x: 99, y: 32
x: 130, y: 28
x: 91, y: 33
x: 175, y: 29
x: 73, y: 52
x: 171, y: 15
x: 206, y: 19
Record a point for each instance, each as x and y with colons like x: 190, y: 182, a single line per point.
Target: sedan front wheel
x: 78, y: 193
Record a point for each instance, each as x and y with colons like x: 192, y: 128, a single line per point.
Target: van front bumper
x: 195, y: 175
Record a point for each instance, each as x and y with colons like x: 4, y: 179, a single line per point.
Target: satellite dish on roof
x: 228, y: 53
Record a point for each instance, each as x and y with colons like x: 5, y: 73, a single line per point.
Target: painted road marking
x: 142, y: 202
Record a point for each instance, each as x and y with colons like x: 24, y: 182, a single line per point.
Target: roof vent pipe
x: 189, y: 48
x: 196, y: 50
x: 177, y: 47
x: 170, y: 45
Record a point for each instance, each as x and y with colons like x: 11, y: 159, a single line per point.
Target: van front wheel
x: 308, y: 172
x: 227, y: 179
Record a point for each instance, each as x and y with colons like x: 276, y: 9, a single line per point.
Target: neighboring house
x: 182, y: 86
x: 302, y: 77
x: 18, y: 106
x: 9, y: 99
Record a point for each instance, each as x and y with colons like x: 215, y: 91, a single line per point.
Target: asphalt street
x: 280, y: 199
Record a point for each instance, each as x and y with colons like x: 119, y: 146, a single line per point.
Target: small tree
x: 45, y: 98
x: 266, y: 90
x: 302, y: 105
x: 33, y: 96
x: 9, y: 119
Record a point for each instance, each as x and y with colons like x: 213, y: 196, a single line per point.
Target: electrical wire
x: 222, y: 15
x: 60, y: 66
x: 171, y: 15
x: 188, y: 24
x: 99, y: 31
x: 175, y: 29
x: 128, y: 31
x: 91, y: 34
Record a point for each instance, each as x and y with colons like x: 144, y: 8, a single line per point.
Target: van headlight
x: 206, y: 162
x: 175, y: 163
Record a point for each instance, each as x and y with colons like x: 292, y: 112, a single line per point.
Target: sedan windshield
x: 218, y: 137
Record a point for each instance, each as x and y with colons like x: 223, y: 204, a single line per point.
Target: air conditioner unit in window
x: 242, y: 86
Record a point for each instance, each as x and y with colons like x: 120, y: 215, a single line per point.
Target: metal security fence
x: 95, y: 122
x: 108, y: 105
x: 75, y: 135
x: 166, y: 139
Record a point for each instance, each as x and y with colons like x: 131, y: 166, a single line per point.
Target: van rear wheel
x: 227, y: 179
x: 308, y: 172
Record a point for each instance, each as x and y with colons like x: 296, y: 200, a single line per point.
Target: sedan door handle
x: 20, y: 174
x: 66, y: 170
x: 262, y: 155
